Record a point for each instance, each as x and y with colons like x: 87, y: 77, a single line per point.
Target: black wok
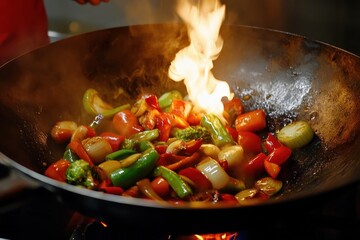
x: 287, y: 75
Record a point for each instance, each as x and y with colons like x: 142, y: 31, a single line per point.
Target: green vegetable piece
x: 94, y: 105
x: 80, y: 173
x: 218, y: 132
x: 133, y: 141
x: 70, y: 155
x: 120, y: 154
x: 192, y: 132
x: 165, y: 100
x: 181, y: 188
x: 296, y: 134
x: 143, y: 145
x: 127, y: 177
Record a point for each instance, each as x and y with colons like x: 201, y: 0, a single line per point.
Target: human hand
x: 92, y: 2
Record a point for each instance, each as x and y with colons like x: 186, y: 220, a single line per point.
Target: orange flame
x: 193, y: 63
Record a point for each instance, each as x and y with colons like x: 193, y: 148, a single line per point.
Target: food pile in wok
x: 163, y: 148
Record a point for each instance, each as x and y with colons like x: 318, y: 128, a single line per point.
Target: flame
x: 193, y: 63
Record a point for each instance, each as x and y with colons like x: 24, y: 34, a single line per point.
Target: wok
x: 289, y: 76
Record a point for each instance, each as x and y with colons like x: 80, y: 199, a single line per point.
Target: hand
x: 92, y: 2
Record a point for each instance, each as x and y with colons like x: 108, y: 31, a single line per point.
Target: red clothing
x: 23, y: 27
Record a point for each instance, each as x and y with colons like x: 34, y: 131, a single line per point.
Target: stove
x: 36, y: 213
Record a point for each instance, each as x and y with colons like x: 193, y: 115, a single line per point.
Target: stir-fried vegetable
x: 162, y: 149
x: 296, y: 135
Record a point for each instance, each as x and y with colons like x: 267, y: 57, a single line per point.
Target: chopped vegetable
x: 133, y: 141
x: 218, y: 132
x: 192, y: 132
x: 94, y: 105
x: 253, y: 121
x: 234, y: 155
x: 145, y: 187
x: 166, y: 99
x: 80, y: 173
x: 58, y: 170
x: 97, y: 148
x: 63, y: 130
x: 296, y: 134
x: 128, y: 176
x: 214, y: 172
x: 181, y: 188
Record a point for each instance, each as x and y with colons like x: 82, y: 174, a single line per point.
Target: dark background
x: 335, y: 22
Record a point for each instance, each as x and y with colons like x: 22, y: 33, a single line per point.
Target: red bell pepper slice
x: 271, y: 142
x: 229, y: 198
x: 272, y: 169
x: 57, y: 170
x: 279, y: 155
x: 191, y: 147
x: 233, y: 133
x: 199, y: 179
x: 113, y: 190
x: 253, y: 121
x: 255, y: 166
x: 185, y: 162
x: 90, y: 132
x: 161, y: 148
x: 178, y: 107
x: 168, y: 158
x: 79, y: 150
x: 164, y: 125
x: 114, y: 139
x: 250, y: 141
x: 194, y: 119
x: 152, y: 101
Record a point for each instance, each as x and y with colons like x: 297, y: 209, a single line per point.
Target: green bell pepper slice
x: 219, y: 135
x: 128, y: 176
x: 181, y: 188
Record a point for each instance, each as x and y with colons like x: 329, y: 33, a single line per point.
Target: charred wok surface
x: 287, y: 75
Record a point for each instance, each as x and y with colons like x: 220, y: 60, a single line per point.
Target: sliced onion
x: 296, y: 134
x: 97, y: 148
x: 234, y: 155
x: 210, y: 150
x: 214, y: 172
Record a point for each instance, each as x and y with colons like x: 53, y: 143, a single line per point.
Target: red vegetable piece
x: 227, y: 197
x: 272, y: 169
x: 250, y: 141
x: 191, y: 147
x: 233, y: 133
x: 194, y: 118
x: 161, y: 148
x: 79, y: 149
x: 201, y: 182
x: 271, y: 142
x: 90, y: 132
x: 160, y: 186
x: 178, y: 107
x: 256, y: 165
x: 126, y: 123
x: 114, y: 139
x: 164, y: 125
x: 113, y: 190
x: 57, y: 170
x: 253, y: 121
x: 279, y: 155
x: 152, y: 101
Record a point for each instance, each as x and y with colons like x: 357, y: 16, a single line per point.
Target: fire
x: 193, y: 63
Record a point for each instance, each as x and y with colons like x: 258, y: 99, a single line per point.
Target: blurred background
x: 335, y: 22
